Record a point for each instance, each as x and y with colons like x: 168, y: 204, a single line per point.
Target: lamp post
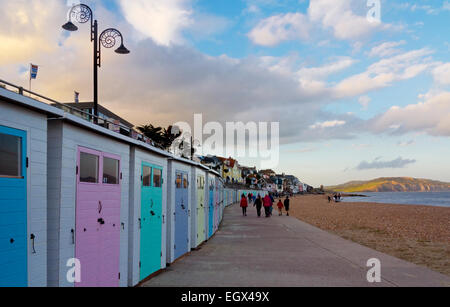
x: 108, y: 38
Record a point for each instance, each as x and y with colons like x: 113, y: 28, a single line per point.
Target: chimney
x: 77, y: 97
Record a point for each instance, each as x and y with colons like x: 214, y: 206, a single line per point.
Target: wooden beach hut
x: 179, y: 208
x: 148, y: 212
x: 88, y: 202
x: 23, y: 190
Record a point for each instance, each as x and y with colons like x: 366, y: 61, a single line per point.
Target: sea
x: 436, y: 199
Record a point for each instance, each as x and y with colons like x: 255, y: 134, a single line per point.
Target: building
x: 231, y: 170
x: 113, y: 121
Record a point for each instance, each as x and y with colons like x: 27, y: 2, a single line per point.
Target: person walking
x: 258, y: 204
x: 280, y: 208
x: 267, y: 205
x: 244, y: 205
x: 272, y: 200
x: 287, y: 204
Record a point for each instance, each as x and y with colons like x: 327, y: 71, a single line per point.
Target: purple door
x: 97, y: 243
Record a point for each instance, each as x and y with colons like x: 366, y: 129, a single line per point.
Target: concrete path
x: 285, y: 252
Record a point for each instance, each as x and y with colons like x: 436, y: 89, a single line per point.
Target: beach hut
x: 148, y: 212
x: 179, y: 208
x: 210, y: 211
x: 199, y: 197
x: 88, y: 199
x: 23, y: 190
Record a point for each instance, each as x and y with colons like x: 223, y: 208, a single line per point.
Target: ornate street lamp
x: 82, y: 13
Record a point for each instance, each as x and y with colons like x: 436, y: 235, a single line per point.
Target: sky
x: 356, y: 99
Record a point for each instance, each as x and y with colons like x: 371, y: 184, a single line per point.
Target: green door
x: 201, y: 230
x: 151, y: 220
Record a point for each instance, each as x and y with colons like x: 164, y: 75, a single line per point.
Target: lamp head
x: 122, y: 50
x: 69, y: 26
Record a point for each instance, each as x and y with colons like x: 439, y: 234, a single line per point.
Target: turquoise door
x: 13, y: 208
x: 151, y: 220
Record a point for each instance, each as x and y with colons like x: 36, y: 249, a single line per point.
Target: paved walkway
x: 285, y: 252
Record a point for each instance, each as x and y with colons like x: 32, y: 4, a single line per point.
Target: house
x: 231, y: 171
x: 114, y: 122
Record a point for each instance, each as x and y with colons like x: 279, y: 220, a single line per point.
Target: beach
x: 418, y: 234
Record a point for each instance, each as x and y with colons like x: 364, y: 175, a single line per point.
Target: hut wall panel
x: 35, y: 125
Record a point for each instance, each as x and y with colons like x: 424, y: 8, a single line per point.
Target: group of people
x: 267, y: 203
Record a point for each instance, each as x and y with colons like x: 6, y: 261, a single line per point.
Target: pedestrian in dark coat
x: 287, y: 204
x: 258, y: 204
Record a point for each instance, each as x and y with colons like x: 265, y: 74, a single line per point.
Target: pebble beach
x: 415, y: 233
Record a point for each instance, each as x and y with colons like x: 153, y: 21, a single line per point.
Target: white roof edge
x: 30, y: 102
x: 45, y: 108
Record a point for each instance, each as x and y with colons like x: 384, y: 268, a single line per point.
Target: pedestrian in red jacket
x: 244, y: 205
x: 280, y: 208
x: 267, y: 205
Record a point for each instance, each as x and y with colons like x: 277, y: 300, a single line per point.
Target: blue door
x: 181, y: 246
x: 13, y: 208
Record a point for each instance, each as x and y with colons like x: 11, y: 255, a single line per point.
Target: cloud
x: 406, y: 144
x: 385, y: 72
x: 431, y: 116
x: 328, y: 124
x: 386, y: 49
x: 441, y: 74
x: 378, y: 164
x: 364, y: 101
x: 336, y: 15
x: 271, y: 31
x: 163, y: 21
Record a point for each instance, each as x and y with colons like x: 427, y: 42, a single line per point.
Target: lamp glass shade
x: 122, y: 50
x: 69, y: 26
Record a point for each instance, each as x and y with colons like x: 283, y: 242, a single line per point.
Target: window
x: 110, y: 171
x: 200, y: 182
x: 88, y: 168
x: 146, y: 176
x: 185, y: 181
x: 10, y: 156
x: 178, y: 181
x: 157, y: 178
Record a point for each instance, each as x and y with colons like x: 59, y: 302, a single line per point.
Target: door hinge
x: 77, y: 170
x: 161, y: 254
x: 140, y: 264
x: 27, y: 162
x: 175, y: 246
x: 119, y: 275
x: 120, y: 176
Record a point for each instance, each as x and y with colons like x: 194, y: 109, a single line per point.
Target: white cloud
x: 441, y: 74
x: 431, y: 116
x: 276, y: 29
x: 364, y: 101
x: 163, y: 21
x: 386, y: 49
x: 328, y: 124
x: 336, y: 15
x: 384, y: 72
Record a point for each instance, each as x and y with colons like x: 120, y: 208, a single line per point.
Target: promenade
x: 285, y: 252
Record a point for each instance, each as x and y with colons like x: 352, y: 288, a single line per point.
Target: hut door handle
x: 32, y: 237
x: 73, y: 236
x: 100, y: 206
x: 164, y: 221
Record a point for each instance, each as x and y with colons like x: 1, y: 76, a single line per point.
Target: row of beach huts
x: 72, y: 191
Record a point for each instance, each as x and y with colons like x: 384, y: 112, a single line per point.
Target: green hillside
x: 400, y: 184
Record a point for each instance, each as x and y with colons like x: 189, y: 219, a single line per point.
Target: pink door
x: 98, y: 218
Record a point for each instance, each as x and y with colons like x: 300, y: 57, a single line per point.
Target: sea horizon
x: 430, y: 198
